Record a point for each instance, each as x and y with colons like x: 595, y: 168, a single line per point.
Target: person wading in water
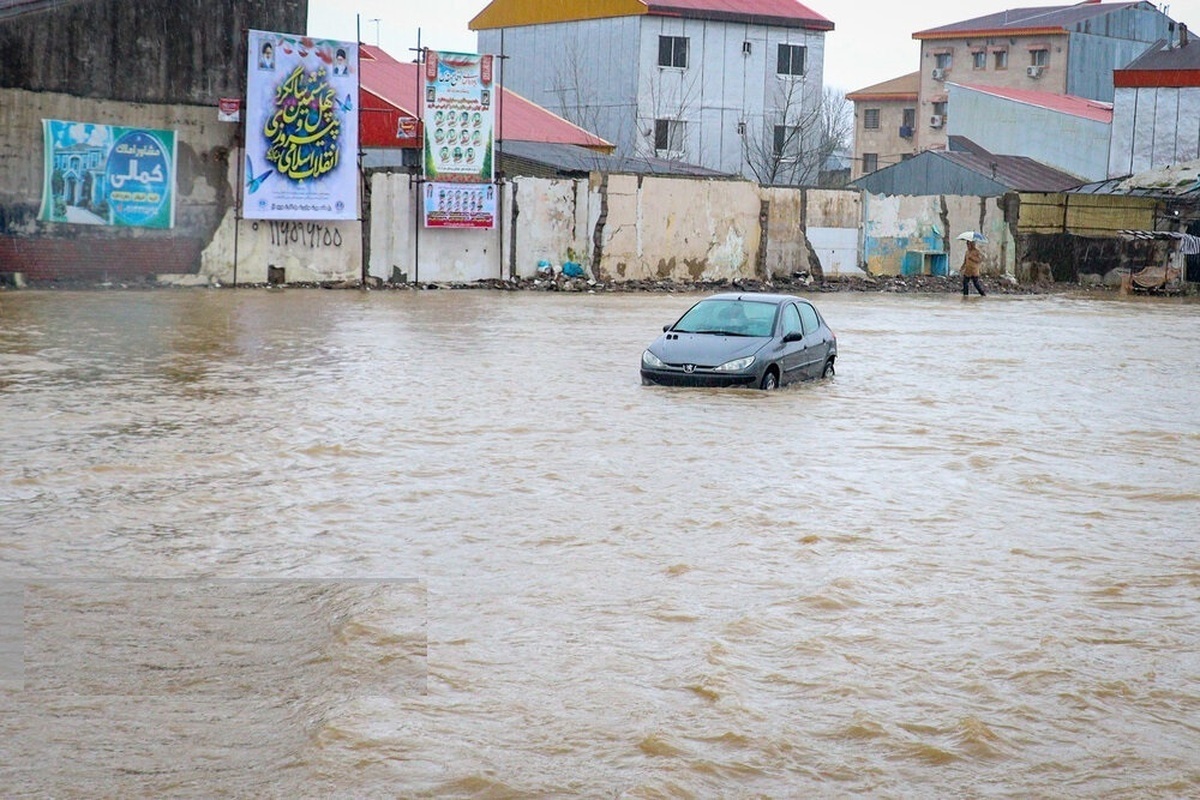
x: 970, y: 269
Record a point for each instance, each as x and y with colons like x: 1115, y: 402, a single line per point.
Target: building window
x: 787, y: 142
x: 906, y: 156
x: 979, y: 59
x: 1000, y: 58
x: 673, y: 51
x: 1039, y: 58
x: 870, y: 162
x: 939, y: 108
x: 910, y: 118
x: 943, y: 60
x: 871, y: 119
x: 791, y: 59
x: 668, y: 136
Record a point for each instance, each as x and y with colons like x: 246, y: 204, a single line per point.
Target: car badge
x: 689, y: 367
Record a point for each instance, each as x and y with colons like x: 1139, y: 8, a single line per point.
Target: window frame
x: 674, y: 51
x: 870, y: 115
x: 1000, y: 59
x: 1039, y: 57
x: 809, y: 317
x: 792, y: 50
x: 979, y: 60
x: 670, y: 131
x: 870, y: 162
x: 781, y: 143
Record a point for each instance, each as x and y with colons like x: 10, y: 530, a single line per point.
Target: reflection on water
x: 445, y: 544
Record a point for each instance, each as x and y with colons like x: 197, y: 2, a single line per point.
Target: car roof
x: 756, y: 297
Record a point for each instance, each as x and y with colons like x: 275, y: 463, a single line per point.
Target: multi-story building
x: 1066, y: 50
x: 734, y: 87
x: 885, y: 124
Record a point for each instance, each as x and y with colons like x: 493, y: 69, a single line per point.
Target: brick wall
x: 94, y: 260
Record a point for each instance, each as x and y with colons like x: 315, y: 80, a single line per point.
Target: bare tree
x: 793, y: 142
x: 662, y: 132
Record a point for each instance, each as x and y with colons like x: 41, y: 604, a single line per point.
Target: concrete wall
x: 43, y: 249
x: 647, y: 229
x: 159, y: 51
x: 893, y: 225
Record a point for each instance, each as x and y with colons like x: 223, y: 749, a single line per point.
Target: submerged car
x: 742, y: 339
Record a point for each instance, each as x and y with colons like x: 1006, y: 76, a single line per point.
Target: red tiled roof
x: 1024, y: 21
x: 1063, y: 103
x: 393, y: 87
x: 788, y: 13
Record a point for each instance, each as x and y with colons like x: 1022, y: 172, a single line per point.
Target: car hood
x: 705, y: 349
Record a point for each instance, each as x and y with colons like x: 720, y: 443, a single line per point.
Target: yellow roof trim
x: 511, y: 13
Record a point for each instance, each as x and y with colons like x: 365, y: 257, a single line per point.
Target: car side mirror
x: 794, y: 336
x: 666, y: 327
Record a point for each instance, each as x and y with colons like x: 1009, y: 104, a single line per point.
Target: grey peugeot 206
x: 742, y: 339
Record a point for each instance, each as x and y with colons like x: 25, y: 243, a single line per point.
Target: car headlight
x: 651, y: 360
x: 737, y: 365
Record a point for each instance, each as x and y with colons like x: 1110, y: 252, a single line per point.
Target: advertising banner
x: 301, y: 128
x: 108, y: 175
x: 460, y: 205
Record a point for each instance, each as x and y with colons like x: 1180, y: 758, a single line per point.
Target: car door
x: 791, y: 337
x: 816, y: 347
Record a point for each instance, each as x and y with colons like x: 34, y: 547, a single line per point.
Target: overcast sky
x: 871, y: 41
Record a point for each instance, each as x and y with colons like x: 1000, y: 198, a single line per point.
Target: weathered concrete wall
x: 673, y: 229
x: 895, y: 225
x: 158, y: 51
x: 203, y: 185
x: 681, y: 230
x: 306, y: 251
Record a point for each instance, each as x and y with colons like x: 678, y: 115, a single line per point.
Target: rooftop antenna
x: 376, y: 21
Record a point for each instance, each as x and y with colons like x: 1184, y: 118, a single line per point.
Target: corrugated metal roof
x: 1162, y: 56
x: 1039, y: 19
x: 1178, y: 181
x: 399, y: 84
x: 902, y: 88
x: 781, y: 13
x: 1019, y: 173
x: 972, y: 174
x: 1065, y: 103
x: 785, y: 13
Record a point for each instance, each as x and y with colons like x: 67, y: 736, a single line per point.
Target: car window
x: 791, y: 319
x: 735, y: 317
x: 808, y: 316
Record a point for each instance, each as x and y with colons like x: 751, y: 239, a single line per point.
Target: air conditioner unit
x: 1034, y: 72
x: 935, y: 121
x: 938, y: 74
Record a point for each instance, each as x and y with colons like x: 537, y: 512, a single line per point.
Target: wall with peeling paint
x: 621, y: 228
x: 682, y: 230
x: 896, y: 225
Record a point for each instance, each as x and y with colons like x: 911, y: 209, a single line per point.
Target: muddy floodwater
x: 305, y: 543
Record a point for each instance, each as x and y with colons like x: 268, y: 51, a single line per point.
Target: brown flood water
x: 444, y: 544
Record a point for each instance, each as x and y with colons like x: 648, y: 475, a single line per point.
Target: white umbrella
x: 972, y: 236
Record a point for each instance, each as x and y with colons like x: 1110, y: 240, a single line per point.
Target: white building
x: 1156, y: 109
x: 734, y: 87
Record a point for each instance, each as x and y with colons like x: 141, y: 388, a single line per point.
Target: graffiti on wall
x: 294, y: 233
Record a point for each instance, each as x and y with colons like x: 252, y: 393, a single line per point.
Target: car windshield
x: 728, y: 318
